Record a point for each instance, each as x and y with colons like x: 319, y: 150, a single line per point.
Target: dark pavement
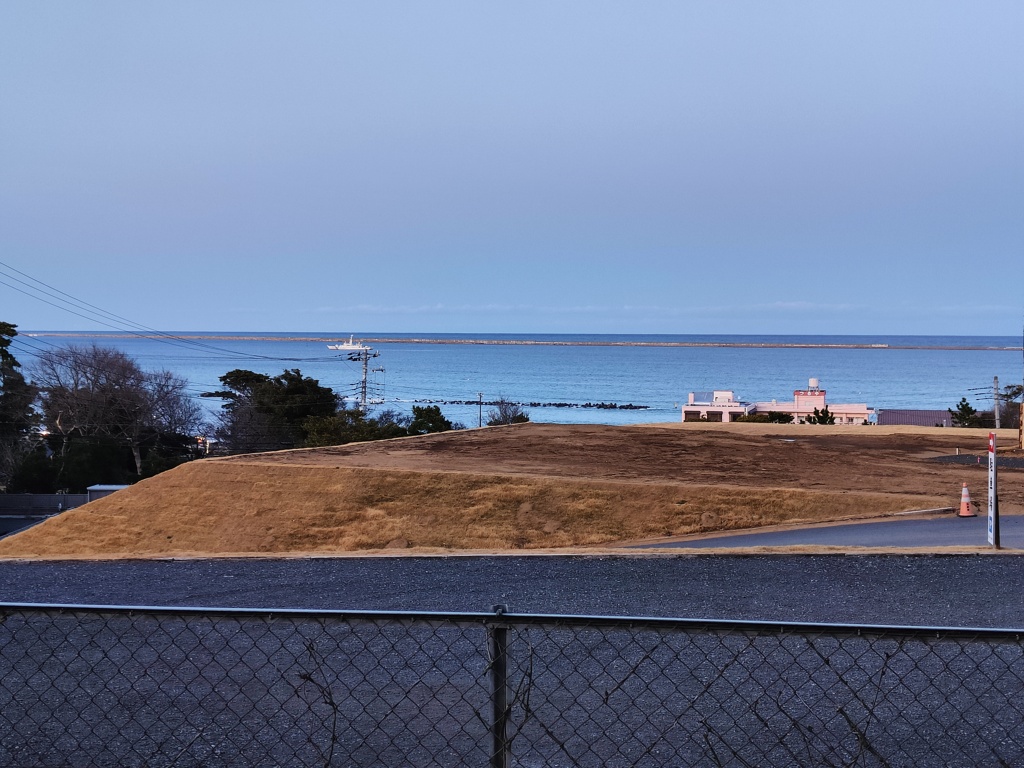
x: 964, y: 590
x: 949, y: 531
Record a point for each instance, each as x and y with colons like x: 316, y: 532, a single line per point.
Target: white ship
x: 349, y: 346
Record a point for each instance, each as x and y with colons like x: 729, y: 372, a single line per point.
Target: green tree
x: 240, y: 386
x: 18, y: 417
x: 7, y: 333
x: 964, y: 415
x: 427, y: 419
x: 293, y: 398
x: 351, y: 425
x: 391, y: 423
x: 753, y: 418
x: 264, y: 413
x: 348, y: 425
x: 824, y: 416
x: 85, y: 462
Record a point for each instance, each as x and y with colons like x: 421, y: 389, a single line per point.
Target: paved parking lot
x: 906, y: 590
x: 135, y: 689
x: 947, y: 531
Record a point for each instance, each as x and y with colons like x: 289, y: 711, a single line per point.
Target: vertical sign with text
x: 993, y: 498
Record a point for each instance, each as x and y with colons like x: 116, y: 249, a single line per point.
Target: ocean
x: 578, y: 378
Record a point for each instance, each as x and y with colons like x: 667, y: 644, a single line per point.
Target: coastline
x: 522, y: 342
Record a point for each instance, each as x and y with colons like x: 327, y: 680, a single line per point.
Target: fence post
x: 498, y: 640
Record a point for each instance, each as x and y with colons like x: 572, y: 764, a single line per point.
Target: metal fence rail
x: 101, y: 686
x: 22, y: 510
x: 40, y: 503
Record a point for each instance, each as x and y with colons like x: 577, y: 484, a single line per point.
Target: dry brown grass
x: 235, y: 508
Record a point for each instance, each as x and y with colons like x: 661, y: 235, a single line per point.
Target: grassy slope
x: 234, y: 508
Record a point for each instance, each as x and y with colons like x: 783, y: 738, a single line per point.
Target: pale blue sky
x: 635, y: 167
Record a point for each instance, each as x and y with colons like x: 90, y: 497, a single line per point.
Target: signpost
x: 993, y: 498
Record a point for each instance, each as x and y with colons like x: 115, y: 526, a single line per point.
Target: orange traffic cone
x: 965, y: 504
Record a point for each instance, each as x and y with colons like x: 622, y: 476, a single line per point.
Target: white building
x: 719, y: 405
x: 722, y: 405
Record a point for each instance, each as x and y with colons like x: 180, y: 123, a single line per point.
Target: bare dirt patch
x: 527, y: 487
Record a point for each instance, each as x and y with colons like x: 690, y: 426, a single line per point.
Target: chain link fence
x: 101, y: 686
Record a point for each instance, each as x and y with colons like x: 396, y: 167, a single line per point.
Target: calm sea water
x: 578, y: 369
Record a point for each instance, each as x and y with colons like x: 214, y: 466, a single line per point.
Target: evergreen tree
x: 18, y: 418
x: 824, y: 416
x: 964, y: 415
x: 264, y: 413
x: 427, y: 419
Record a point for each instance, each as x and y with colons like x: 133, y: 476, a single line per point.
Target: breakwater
x: 527, y: 342
x: 577, y: 378
x: 536, y: 404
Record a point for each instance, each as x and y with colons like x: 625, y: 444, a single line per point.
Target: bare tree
x: 506, y: 412
x: 173, y: 409
x: 1009, y: 405
x: 93, y: 391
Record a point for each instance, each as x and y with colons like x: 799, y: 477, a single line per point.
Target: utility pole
x: 480, y: 407
x: 995, y: 398
x: 358, y: 353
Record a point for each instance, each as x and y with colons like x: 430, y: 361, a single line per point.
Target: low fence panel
x: 86, y: 686
x: 40, y: 503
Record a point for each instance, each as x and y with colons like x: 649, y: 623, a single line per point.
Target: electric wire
x: 97, y: 314
x: 55, y: 297
x: 200, y: 394
x: 117, y: 322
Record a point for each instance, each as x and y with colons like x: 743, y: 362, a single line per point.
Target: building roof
x: 914, y: 417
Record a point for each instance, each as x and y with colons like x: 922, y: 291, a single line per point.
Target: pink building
x: 722, y: 405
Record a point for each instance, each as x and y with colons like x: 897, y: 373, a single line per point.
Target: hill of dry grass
x: 529, y: 487
x: 237, y: 508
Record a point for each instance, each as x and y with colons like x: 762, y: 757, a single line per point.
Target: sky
x: 529, y: 167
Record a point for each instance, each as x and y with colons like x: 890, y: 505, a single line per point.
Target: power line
x: 117, y: 322
x: 19, y: 345
x: 350, y: 391
x: 48, y: 294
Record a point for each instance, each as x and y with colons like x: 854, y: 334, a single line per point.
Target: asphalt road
x: 966, y: 591
x: 81, y: 688
x: 949, y: 531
